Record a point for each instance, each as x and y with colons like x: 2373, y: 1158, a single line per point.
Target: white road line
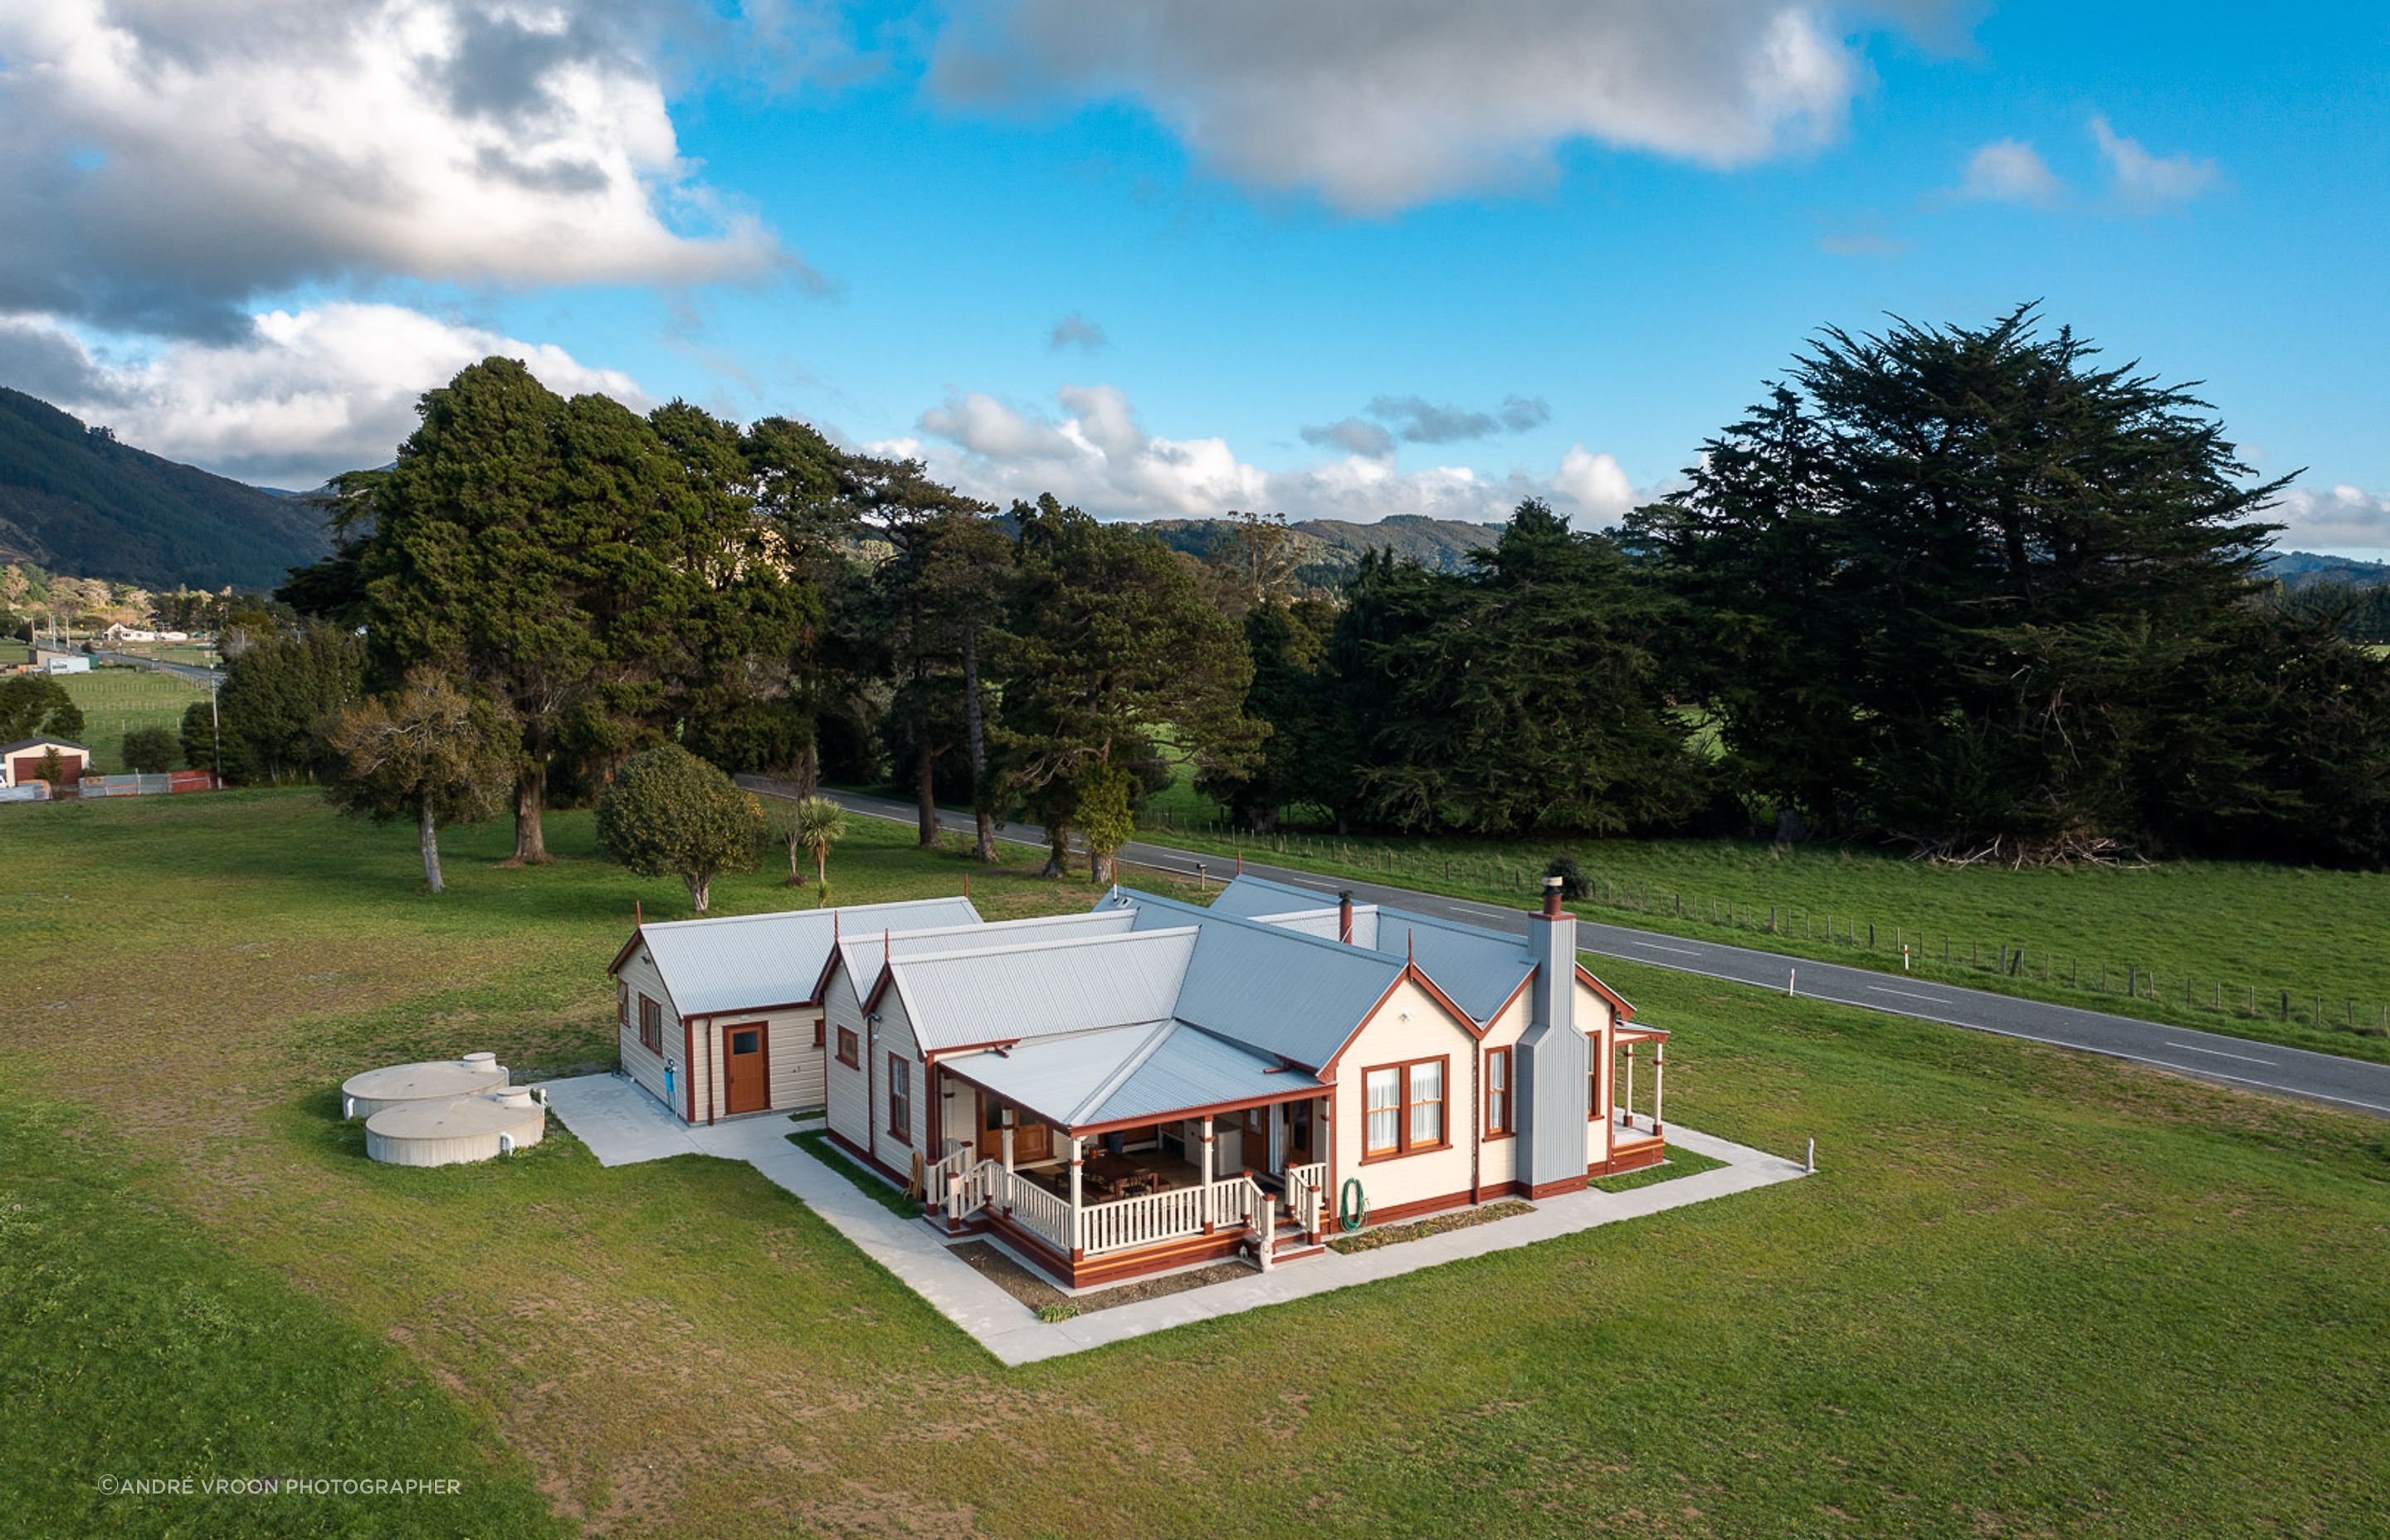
x: 1680, y: 951
x: 1929, y: 999
x: 2193, y: 1048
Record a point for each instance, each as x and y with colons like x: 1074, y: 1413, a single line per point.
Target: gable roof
x: 971, y: 998
x: 1276, y: 990
x: 1130, y: 1074
x: 1479, y: 969
x: 42, y: 743
x: 749, y: 962
x: 865, y: 953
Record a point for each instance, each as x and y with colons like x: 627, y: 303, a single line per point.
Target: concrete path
x: 621, y: 1124
x: 2233, y: 1062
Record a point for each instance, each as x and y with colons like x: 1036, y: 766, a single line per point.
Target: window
x: 622, y: 1004
x: 652, y: 1025
x: 849, y: 1052
x: 1405, y: 1108
x: 819, y: 1026
x: 1498, y: 1094
x: 747, y: 1040
x: 900, y: 1097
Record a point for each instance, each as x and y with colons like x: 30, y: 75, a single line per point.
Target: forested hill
x: 1327, y: 547
x: 2306, y: 570
x: 75, y: 500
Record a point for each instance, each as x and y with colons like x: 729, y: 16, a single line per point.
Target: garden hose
x: 1352, y: 1209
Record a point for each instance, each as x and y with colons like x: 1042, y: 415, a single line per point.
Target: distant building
x: 22, y: 761
x: 120, y: 632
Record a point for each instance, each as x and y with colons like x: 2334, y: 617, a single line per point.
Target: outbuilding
x: 22, y: 761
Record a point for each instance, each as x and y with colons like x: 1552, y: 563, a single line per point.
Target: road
x: 2234, y: 1061
x: 188, y: 671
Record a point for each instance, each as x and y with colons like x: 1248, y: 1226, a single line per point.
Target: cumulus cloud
x: 2341, y: 515
x: 1379, y: 105
x: 2008, y: 171
x: 1094, y: 452
x: 300, y: 397
x: 2146, y: 181
x: 1416, y: 419
x: 169, y: 159
x: 1075, y: 331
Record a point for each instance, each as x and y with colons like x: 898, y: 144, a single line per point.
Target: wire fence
x: 1895, y: 947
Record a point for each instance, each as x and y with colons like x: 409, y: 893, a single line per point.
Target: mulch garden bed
x: 1041, y: 1296
x: 1459, y: 1219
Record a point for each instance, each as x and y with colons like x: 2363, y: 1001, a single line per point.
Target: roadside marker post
x: 1789, y: 979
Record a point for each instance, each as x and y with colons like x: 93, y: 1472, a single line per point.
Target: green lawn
x: 2028, y: 1292
x: 2215, y: 945
x: 116, y: 700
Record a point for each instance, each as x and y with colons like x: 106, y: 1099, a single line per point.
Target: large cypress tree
x: 1971, y: 587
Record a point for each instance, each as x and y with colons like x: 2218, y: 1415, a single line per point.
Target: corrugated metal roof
x: 1144, y: 1070
x: 865, y: 951
x: 742, y: 962
x: 1272, y: 989
x: 1040, y: 988
x: 1478, y: 968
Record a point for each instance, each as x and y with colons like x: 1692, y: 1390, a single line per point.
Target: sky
x: 1338, y: 258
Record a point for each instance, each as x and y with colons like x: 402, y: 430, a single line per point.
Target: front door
x: 1298, y: 1134
x: 746, y: 1070
x: 1031, y: 1141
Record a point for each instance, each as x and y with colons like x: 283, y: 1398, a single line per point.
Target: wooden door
x: 1299, y: 1139
x: 746, y: 1068
x: 1031, y: 1141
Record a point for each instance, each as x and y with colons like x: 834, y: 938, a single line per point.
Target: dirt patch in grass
x: 991, y: 1263
x: 1459, y: 1219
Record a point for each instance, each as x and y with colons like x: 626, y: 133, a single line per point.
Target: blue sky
x: 1476, y: 250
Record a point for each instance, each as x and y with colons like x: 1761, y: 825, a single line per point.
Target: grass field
x: 2028, y: 1292
x: 116, y: 700
x: 2215, y: 945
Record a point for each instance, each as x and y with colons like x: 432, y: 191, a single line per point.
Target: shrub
x: 670, y: 814
x: 150, y: 750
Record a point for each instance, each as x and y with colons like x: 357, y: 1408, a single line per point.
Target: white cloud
x: 2146, y: 181
x: 2008, y: 171
x: 169, y: 159
x: 301, y: 396
x: 2341, y: 517
x: 1094, y: 452
x: 1382, y: 103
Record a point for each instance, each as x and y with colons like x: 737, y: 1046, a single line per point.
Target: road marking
x: 1680, y: 951
x: 1929, y: 999
x: 2193, y: 1048
x: 1480, y: 909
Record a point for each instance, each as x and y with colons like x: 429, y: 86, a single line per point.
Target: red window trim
x: 850, y: 1048
x: 651, y: 1014
x: 899, y: 1064
x: 1402, y: 1146
x: 821, y: 1026
x: 1510, y: 1095
x: 622, y: 1003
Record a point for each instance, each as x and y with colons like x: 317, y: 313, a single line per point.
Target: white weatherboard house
x: 1154, y: 1083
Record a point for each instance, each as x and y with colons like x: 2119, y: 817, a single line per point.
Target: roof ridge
x: 1046, y: 945
x: 807, y: 914
x: 1130, y: 1063
x: 1340, y: 948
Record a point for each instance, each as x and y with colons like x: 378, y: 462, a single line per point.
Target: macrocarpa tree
x: 670, y: 814
x: 430, y: 751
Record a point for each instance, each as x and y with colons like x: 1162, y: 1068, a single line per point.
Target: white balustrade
x: 1045, y: 1215
x: 1306, y: 1194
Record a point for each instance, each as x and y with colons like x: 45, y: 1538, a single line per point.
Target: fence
x: 1930, y: 954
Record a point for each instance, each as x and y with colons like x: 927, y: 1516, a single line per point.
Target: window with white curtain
x: 1385, y: 1091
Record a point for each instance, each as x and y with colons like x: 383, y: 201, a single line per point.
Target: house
x: 719, y: 1018
x: 119, y: 632
x: 53, y: 660
x: 22, y: 761
x: 1157, y: 1083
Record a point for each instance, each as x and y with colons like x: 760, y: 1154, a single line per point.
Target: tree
x: 1972, y: 588
x: 670, y: 814
x: 150, y: 750
x: 943, y: 595
x: 815, y: 825
x: 1525, y: 695
x: 276, y: 698
x: 1113, y: 662
x: 430, y: 751
x: 35, y: 705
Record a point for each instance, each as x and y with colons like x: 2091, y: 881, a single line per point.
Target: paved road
x: 2234, y: 1061
x: 188, y: 671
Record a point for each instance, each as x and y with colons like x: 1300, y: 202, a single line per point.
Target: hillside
x: 2306, y: 570
x: 75, y: 500
x: 1330, y: 547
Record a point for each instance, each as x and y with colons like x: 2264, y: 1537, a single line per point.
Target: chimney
x: 1553, y: 1061
x: 1345, y: 917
